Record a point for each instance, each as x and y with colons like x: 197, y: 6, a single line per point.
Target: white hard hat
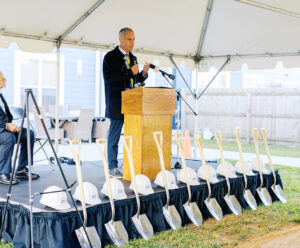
x: 255, y: 166
x: 90, y: 193
x: 117, y: 189
x: 211, y: 173
x: 191, y: 174
x: 247, y: 165
x: 226, y: 170
x: 143, y: 185
x: 171, y: 181
x: 57, y: 200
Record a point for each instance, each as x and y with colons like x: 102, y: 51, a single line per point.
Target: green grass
x: 275, y: 150
x: 233, y: 230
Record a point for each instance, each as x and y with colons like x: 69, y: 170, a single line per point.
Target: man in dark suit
x: 121, y: 72
x: 9, y: 133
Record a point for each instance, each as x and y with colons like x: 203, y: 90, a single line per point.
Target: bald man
x: 121, y: 72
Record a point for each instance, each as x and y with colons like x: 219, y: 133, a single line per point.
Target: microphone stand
x: 179, y: 96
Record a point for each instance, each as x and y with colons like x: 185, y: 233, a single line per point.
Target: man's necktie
x: 128, y: 67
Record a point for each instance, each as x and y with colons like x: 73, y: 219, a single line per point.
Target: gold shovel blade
x: 93, y: 235
x: 143, y: 226
x: 172, y: 217
x: 214, y: 208
x: 193, y: 212
x: 117, y: 232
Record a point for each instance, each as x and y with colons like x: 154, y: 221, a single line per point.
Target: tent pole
x: 80, y: 20
x: 173, y: 62
x: 197, y: 107
x: 204, y: 27
x: 58, y: 44
x: 214, y: 77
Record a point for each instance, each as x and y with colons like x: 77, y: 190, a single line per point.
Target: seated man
x: 8, y: 136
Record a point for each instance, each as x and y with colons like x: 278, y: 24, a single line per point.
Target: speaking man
x: 121, y: 72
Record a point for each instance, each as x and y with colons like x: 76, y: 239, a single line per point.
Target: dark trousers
x: 7, y: 143
x: 114, y: 134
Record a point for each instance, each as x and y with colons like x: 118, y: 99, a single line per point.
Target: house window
x: 38, y: 72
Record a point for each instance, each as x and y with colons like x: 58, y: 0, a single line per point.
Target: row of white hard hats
x: 58, y: 200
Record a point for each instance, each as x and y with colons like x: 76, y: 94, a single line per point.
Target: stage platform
x: 54, y: 228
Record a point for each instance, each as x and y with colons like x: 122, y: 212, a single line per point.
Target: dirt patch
x: 288, y: 238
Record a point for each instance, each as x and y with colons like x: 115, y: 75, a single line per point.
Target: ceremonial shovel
x: 231, y: 200
x: 191, y: 208
x: 211, y: 203
x: 246, y: 192
x: 115, y: 229
x: 262, y: 192
x: 275, y: 187
x: 170, y: 212
x: 140, y: 221
x: 91, y: 231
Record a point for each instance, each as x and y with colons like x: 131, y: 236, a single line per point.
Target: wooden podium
x: 147, y: 110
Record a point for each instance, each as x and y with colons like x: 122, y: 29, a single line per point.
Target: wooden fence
x: 277, y: 110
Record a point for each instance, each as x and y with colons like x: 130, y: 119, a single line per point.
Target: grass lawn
x: 275, y: 150
x: 234, y: 230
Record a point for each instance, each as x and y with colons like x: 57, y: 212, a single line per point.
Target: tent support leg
x: 214, y: 77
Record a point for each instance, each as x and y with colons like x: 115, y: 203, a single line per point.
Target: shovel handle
x: 237, y: 134
x: 158, y: 138
x: 199, y: 142
x: 103, y: 155
x: 218, y: 137
x: 76, y: 155
x: 128, y: 150
x: 179, y: 140
x: 254, y: 136
x: 263, y: 135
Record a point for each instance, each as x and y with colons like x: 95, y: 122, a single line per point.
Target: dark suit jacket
x: 117, y: 79
x: 5, y: 115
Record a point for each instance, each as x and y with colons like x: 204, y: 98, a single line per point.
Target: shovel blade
x: 93, y: 235
x: 279, y: 193
x: 214, y: 208
x: 117, y: 232
x: 264, y: 195
x: 250, y: 199
x: 193, y: 212
x: 233, y: 204
x: 143, y: 226
x: 172, y: 216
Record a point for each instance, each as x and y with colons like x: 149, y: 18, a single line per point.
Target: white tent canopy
x: 189, y: 30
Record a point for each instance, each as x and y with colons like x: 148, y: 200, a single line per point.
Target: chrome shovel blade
x: 143, y: 226
x: 214, y: 208
x: 93, y: 235
x: 117, y: 232
x: 233, y: 204
x: 250, y: 199
x: 279, y: 193
x: 193, y: 212
x: 172, y: 217
x: 264, y: 195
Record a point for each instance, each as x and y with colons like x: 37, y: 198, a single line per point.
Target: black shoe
x: 5, y: 179
x: 24, y: 175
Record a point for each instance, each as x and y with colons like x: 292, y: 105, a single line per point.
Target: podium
x: 147, y: 110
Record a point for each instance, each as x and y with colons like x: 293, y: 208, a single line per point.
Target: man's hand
x: 146, y: 68
x: 135, y: 69
x: 12, y: 128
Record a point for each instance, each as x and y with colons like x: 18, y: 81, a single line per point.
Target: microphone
x: 162, y: 72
